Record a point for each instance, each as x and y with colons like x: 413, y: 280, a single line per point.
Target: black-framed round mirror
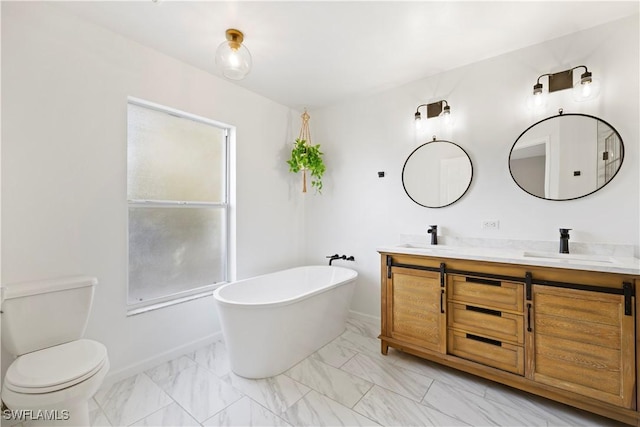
x: 566, y: 157
x: 437, y: 174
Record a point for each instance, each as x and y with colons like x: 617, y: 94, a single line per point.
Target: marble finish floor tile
x: 339, y: 385
x: 346, y: 382
x: 276, y: 393
x: 358, y: 342
x: 387, y: 375
x: 200, y: 392
x: 367, y: 329
x: 170, y: 368
x: 93, y: 405
x: 245, y: 412
x: 131, y: 399
x: 475, y: 410
x: 390, y: 409
x: 442, y: 373
x: 555, y: 413
x: 334, y: 354
x: 97, y: 418
x: 214, y: 357
x: 172, y: 415
x: 314, y: 409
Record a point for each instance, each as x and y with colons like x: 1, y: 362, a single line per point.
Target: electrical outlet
x: 490, y: 224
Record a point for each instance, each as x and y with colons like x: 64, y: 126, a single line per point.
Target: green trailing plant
x: 305, y: 157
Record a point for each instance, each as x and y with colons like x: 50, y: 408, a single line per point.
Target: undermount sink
x: 569, y: 257
x: 423, y: 247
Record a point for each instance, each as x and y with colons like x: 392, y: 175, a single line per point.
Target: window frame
x: 227, y: 205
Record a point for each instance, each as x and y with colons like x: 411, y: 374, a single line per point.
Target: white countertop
x: 603, y: 263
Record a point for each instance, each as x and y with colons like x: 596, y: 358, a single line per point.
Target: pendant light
x: 232, y: 57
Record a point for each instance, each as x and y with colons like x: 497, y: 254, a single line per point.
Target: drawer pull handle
x: 485, y: 340
x: 483, y: 281
x: 484, y: 310
x: 442, y: 301
x: 529, y: 329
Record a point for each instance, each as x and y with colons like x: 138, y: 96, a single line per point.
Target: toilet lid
x: 55, y: 368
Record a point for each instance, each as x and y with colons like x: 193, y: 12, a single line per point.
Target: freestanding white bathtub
x: 272, y: 322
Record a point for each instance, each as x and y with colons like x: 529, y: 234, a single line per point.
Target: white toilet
x: 56, y: 372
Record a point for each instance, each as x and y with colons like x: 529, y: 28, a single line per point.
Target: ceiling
x: 316, y: 53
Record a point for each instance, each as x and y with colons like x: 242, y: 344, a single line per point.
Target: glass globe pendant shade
x: 232, y: 58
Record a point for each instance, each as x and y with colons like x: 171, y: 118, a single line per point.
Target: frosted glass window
x: 172, y: 250
x: 173, y: 158
x: 177, y: 185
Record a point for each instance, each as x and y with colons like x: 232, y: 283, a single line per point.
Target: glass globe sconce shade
x: 537, y: 103
x: 232, y: 57
x: 539, y: 99
x: 587, y: 88
x: 445, y: 116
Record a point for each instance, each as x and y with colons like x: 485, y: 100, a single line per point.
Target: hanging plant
x: 306, y: 157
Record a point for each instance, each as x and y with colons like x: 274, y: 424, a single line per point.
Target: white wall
x: 65, y: 85
x: 359, y: 211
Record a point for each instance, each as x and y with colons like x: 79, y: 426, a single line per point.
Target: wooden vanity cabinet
x: 582, y: 341
x: 485, y: 321
x: 415, y: 309
x: 568, y: 335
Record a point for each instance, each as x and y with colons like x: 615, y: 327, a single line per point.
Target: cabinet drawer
x: 494, y: 353
x: 492, y: 323
x: 489, y: 293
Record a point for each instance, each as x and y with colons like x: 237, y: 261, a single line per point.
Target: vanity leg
x: 384, y: 347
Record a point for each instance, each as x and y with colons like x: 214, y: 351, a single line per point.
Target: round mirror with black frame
x: 437, y: 174
x: 566, y: 157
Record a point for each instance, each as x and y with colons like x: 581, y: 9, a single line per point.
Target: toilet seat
x: 56, y: 368
x: 66, y: 398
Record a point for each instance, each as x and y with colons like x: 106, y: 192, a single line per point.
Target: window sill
x: 135, y: 310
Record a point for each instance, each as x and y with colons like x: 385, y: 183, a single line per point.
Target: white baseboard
x: 364, y: 317
x: 139, y: 367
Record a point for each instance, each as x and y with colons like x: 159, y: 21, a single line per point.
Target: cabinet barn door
x: 417, y: 311
x: 583, y: 342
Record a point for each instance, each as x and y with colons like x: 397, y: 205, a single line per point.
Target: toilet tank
x: 44, y: 313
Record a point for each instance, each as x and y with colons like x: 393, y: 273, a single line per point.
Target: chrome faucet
x: 564, y: 240
x: 433, y: 230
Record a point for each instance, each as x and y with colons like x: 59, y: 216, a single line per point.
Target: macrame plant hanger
x: 306, y: 136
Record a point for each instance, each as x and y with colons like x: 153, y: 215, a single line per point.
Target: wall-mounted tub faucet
x: 344, y: 257
x: 333, y: 258
x: 564, y: 240
x: 433, y: 230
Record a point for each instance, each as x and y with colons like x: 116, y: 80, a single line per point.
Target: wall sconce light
x: 435, y: 109
x: 232, y: 57
x: 585, y: 89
